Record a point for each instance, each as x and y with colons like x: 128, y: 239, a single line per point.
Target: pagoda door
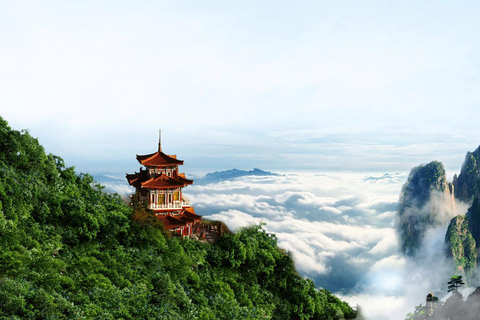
x: 161, y: 199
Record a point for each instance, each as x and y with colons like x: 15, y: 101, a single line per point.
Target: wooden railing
x: 175, y: 205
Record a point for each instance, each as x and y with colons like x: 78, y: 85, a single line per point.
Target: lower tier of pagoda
x: 186, y: 222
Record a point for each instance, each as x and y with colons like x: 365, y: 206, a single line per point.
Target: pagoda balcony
x: 174, y: 205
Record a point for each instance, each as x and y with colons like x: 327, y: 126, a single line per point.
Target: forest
x: 69, y: 250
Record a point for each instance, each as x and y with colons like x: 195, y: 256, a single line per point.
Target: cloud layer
x: 339, y: 228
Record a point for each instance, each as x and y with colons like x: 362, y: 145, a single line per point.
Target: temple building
x: 158, y: 187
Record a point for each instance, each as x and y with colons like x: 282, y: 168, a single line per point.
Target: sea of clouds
x: 339, y: 229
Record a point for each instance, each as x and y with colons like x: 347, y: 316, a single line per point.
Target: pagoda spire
x: 160, y: 140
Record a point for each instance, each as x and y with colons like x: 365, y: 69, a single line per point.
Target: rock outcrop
x: 457, y: 239
x: 460, y: 245
x: 467, y: 183
x: 473, y: 217
x: 426, y: 200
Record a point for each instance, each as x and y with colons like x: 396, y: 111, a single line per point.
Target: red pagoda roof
x: 170, y: 222
x: 142, y: 180
x: 162, y: 182
x: 189, y: 212
x: 137, y: 178
x: 181, y: 178
x: 158, y: 159
x: 186, y: 219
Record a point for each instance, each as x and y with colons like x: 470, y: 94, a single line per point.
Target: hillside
x: 72, y: 251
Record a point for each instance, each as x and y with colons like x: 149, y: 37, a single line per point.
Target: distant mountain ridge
x: 218, y: 176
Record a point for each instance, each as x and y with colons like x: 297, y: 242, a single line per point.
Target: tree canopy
x: 72, y: 251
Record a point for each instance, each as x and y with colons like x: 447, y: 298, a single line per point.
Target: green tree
x: 455, y: 283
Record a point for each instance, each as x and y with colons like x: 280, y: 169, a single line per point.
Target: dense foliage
x: 71, y: 251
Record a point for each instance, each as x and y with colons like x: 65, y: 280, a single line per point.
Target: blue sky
x: 280, y: 85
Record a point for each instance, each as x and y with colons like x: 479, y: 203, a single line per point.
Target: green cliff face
x: 460, y: 245
x: 467, y: 184
x: 425, y: 194
x: 460, y: 239
x: 473, y: 217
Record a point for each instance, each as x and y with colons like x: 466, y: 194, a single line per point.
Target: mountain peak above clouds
x: 426, y: 200
x: 231, y: 174
x: 467, y: 182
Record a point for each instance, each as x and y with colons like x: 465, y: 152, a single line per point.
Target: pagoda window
x: 161, y: 198
x: 152, y: 199
x: 176, y: 195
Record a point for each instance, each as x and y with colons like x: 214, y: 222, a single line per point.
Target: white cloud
x: 338, y: 229
x: 122, y: 189
x: 388, y: 244
x: 234, y: 219
x: 389, y: 263
x: 332, y: 224
x: 379, y: 307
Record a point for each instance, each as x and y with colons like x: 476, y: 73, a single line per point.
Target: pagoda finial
x: 160, y: 140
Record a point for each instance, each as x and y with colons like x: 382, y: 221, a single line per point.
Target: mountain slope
x: 71, y: 251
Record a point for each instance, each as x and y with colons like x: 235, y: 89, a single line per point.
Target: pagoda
x: 158, y: 186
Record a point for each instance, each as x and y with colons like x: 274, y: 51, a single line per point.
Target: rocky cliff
x: 426, y: 200
x: 460, y: 245
x: 465, y: 231
x: 473, y: 217
x: 467, y: 183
